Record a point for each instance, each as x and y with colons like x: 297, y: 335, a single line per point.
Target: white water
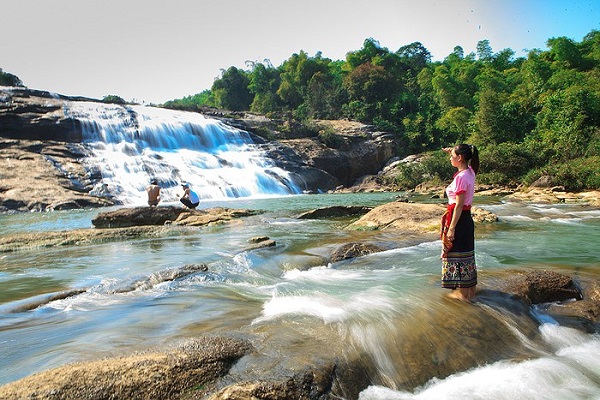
x: 571, y: 370
x: 130, y: 145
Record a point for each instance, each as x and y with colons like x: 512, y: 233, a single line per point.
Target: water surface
x: 288, y: 293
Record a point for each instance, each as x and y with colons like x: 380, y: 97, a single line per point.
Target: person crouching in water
x: 153, y: 193
x: 190, y: 198
x: 459, y: 271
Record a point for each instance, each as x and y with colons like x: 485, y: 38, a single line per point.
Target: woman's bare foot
x: 463, y: 294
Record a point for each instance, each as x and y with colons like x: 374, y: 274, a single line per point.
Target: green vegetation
x: 7, y: 79
x: 113, y: 99
x: 529, y: 116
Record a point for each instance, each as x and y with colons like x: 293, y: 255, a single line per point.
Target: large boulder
x: 141, y: 216
x: 167, y: 374
x: 334, y: 212
x: 353, y: 250
x: 405, y: 217
x: 540, y: 286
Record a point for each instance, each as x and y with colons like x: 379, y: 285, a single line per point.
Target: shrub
x: 330, y: 138
x: 507, y: 163
x: 575, y: 175
x: 113, y: 99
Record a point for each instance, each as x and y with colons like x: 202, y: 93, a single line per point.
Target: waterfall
x: 129, y: 145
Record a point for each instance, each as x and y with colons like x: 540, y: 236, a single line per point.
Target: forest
x: 530, y: 117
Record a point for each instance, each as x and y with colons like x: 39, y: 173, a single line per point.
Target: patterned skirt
x: 458, y: 257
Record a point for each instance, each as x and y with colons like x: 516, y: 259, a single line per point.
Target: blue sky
x: 156, y: 50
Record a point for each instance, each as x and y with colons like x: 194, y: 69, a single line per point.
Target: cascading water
x: 132, y: 144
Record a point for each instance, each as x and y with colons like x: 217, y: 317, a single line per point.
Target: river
x: 126, y: 304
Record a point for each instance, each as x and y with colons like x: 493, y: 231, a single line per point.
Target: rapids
x: 133, y: 295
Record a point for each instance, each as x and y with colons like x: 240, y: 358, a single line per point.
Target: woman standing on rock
x: 459, y: 271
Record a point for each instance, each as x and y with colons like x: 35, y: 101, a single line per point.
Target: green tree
x: 231, y: 90
x: 111, y: 98
x: 568, y: 121
x: 370, y: 51
x: 484, y: 51
x: 8, y: 79
x: 564, y: 50
x: 264, y: 82
x: 296, y: 74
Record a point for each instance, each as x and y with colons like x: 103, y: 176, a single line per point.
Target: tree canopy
x: 539, y: 112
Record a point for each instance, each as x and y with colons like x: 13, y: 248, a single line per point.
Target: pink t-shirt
x: 464, y: 182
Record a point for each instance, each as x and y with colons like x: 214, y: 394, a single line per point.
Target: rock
x: 23, y: 241
x: 141, y: 216
x: 165, y: 374
x: 540, y: 286
x: 583, y: 315
x: 211, y: 216
x: 137, y: 216
x: 361, y: 151
x: 592, y: 291
x: 407, y: 217
x: 122, y: 224
x: 315, y: 384
x: 353, y: 250
x: 483, y: 216
x: 547, y: 196
x: 258, y: 239
x: 44, y: 176
x: 259, y: 242
x: 334, y: 212
x: 544, y: 181
x: 36, y: 115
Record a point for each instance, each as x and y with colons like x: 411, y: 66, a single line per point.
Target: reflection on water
x: 124, y: 296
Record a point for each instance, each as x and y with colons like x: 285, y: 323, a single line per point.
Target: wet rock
x: 211, y: 216
x: 23, y: 241
x: 542, y: 286
x: 583, y: 315
x: 310, y: 384
x: 259, y: 242
x: 136, y: 216
x: 167, y: 374
x: 591, y: 291
x: 141, y: 216
x: 334, y: 212
x: 353, y: 250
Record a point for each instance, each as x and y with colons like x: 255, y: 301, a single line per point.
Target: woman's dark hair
x: 470, y: 153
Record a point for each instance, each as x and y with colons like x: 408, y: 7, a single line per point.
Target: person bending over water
x: 459, y: 271
x: 190, y: 198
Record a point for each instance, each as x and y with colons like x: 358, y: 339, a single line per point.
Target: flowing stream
x: 127, y: 295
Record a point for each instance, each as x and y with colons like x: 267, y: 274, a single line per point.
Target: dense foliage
x: 7, y: 79
x: 529, y: 116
